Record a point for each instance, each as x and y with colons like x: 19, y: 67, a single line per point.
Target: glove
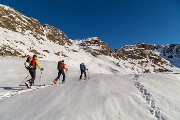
x: 86, y: 69
x: 42, y: 69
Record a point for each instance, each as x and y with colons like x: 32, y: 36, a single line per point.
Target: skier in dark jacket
x: 60, y: 67
x: 32, y: 70
x: 83, y: 70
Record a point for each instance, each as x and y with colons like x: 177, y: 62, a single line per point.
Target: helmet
x: 62, y: 61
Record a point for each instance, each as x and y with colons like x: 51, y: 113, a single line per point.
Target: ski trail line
x: 150, y: 101
x: 5, y: 95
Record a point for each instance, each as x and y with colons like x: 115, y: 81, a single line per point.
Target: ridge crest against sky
x: 117, y: 22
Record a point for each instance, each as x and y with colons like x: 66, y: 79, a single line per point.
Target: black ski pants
x: 83, y: 72
x: 32, y: 72
x: 59, y: 74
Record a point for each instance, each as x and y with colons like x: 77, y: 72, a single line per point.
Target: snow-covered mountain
x: 17, y: 22
x: 21, y: 36
x: 145, y: 56
x: 171, y: 52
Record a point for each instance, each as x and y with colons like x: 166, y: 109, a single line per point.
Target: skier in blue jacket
x: 83, y: 70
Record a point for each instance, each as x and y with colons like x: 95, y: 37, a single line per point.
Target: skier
x: 83, y: 70
x: 60, y: 67
x: 32, y: 70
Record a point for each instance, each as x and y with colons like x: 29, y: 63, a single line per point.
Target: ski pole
x: 40, y: 74
x: 40, y: 77
x: 24, y: 79
x: 66, y: 70
x: 88, y: 74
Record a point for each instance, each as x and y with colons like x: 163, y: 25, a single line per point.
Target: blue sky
x: 117, y: 22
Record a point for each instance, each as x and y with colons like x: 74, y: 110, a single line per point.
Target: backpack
x: 60, y: 67
x: 27, y: 65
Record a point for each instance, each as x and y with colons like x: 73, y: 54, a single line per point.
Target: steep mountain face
x: 171, y: 52
x: 17, y: 22
x: 146, y: 56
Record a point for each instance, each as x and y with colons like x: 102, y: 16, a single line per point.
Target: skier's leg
x: 33, y: 76
x: 81, y: 75
x: 30, y: 72
x: 63, y: 76
x: 59, y: 74
x: 85, y: 73
x: 29, y: 82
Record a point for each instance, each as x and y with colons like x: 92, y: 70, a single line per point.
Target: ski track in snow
x: 5, y: 95
x: 150, y: 101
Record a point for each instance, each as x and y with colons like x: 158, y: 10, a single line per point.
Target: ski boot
x: 63, y: 81
x: 55, y: 81
x: 27, y: 84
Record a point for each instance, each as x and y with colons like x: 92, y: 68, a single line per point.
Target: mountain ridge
x: 22, y: 36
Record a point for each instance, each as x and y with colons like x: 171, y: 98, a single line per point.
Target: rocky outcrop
x: 96, y: 47
x: 144, y: 55
x: 13, y: 20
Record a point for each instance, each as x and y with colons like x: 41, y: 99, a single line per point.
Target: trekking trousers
x: 59, y: 74
x: 83, y: 72
x: 32, y: 72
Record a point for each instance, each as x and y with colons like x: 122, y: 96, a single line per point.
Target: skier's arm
x: 37, y: 63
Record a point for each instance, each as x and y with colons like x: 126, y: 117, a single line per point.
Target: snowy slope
x: 74, y: 54
x: 165, y: 90
x: 102, y: 97
x: 171, y: 52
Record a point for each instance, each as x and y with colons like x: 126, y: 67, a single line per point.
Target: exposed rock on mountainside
x: 56, y: 35
x: 144, y: 55
x: 96, y: 47
x: 17, y: 22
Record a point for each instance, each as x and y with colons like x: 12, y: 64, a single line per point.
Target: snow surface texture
x: 102, y: 97
x: 149, y: 99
